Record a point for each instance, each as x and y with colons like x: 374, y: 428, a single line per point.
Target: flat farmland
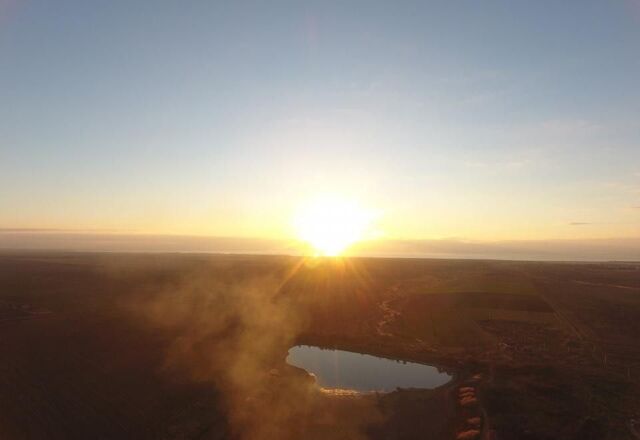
x: 194, y: 346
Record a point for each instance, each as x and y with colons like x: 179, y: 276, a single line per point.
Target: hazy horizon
x: 535, y: 250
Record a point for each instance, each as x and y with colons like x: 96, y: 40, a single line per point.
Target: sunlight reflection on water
x: 338, y: 369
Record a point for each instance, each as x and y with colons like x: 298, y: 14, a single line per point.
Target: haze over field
x: 481, y: 129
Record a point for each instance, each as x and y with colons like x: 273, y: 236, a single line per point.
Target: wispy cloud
x: 570, y: 127
x: 580, y: 223
x: 497, y: 165
x: 59, y: 230
x: 623, y: 187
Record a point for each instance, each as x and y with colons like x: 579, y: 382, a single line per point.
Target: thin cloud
x: 620, y: 249
x: 570, y: 127
x: 580, y: 223
x: 623, y: 187
x: 56, y: 230
x: 500, y: 165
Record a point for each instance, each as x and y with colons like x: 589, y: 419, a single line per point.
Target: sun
x: 330, y: 224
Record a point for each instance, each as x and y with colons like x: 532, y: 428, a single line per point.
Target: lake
x: 363, y: 372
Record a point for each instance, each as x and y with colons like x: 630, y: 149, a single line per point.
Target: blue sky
x: 455, y: 119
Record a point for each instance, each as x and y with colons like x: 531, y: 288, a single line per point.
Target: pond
x: 362, y: 372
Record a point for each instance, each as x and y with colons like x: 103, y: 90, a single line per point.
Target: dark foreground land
x: 103, y: 346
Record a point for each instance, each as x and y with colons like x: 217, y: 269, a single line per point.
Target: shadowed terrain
x: 194, y: 346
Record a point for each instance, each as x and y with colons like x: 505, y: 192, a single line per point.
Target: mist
x: 233, y: 332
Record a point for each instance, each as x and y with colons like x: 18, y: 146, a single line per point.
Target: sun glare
x: 331, y: 225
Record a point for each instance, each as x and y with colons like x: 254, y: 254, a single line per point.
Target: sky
x: 454, y: 120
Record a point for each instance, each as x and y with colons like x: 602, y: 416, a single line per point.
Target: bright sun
x: 330, y: 225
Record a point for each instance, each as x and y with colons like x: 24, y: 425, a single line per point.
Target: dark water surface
x: 363, y: 372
